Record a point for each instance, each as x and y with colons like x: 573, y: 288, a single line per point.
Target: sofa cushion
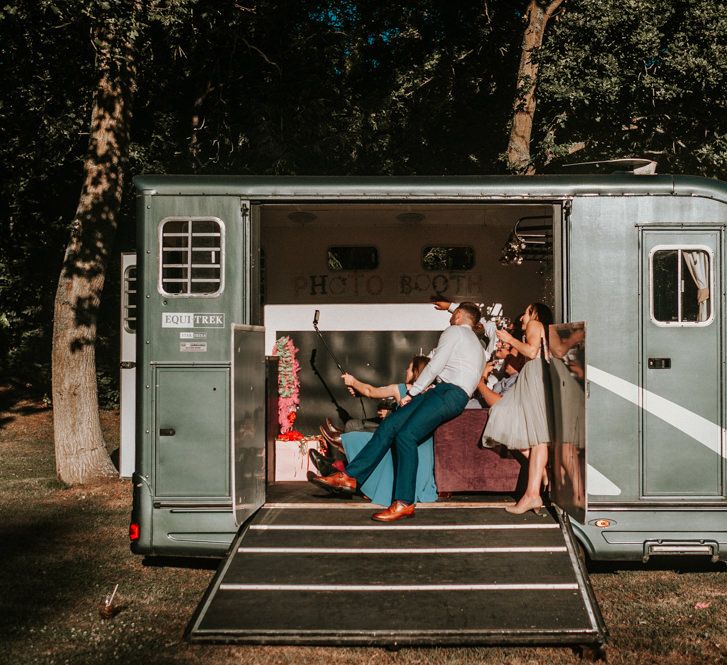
x: 461, y: 465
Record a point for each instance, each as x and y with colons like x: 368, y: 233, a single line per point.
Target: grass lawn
x: 64, y: 548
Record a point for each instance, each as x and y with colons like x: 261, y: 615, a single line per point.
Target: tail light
x: 133, y: 532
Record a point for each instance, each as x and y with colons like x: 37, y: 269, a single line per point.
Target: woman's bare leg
x: 538, y: 460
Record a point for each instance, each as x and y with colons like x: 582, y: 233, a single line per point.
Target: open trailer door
x: 567, y: 369
x: 248, y: 420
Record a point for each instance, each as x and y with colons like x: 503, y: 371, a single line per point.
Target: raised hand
x: 505, y: 336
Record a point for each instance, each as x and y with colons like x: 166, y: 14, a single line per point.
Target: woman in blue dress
x: 379, y: 486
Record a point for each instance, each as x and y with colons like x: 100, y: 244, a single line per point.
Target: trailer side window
x: 192, y: 257
x: 129, y: 303
x: 352, y: 258
x: 448, y: 258
x: 681, y: 280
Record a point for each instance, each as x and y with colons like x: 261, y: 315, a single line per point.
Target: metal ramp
x: 458, y: 573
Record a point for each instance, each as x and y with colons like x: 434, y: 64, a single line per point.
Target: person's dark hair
x: 418, y: 363
x: 515, y: 361
x: 543, y: 313
x: 473, y: 311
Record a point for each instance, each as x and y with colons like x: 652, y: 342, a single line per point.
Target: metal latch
x: 659, y: 363
x: 127, y: 364
x: 167, y: 431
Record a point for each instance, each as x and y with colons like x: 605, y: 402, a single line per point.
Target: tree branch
x: 262, y: 55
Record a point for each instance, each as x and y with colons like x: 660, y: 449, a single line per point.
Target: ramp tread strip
x: 398, y: 527
x: 399, y: 587
x: 371, y: 506
x: 210, y: 594
x: 397, y: 550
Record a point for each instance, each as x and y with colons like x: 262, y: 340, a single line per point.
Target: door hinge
x: 127, y: 364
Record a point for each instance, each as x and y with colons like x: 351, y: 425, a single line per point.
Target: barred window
x: 129, y: 303
x: 192, y: 257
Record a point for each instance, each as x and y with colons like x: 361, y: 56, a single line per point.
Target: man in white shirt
x: 456, y: 366
x: 488, y: 324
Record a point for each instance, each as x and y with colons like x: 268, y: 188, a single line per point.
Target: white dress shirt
x: 490, y: 331
x: 459, y: 359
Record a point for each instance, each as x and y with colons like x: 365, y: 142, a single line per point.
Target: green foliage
x: 327, y: 87
x: 46, y: 79
x: 637, y: 78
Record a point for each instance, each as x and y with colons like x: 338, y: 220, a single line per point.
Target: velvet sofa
x: 462, y: 465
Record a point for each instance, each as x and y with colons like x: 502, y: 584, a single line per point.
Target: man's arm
x: 445, y: 346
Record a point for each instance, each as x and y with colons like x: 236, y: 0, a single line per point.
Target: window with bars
x: 192, y: 257
x: 130, y: 299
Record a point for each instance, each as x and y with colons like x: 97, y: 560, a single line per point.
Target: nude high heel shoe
x: 524, y: 506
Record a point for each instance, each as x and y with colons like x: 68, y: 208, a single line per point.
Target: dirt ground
x: 64, y: 548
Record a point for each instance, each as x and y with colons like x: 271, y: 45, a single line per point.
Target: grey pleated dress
x: 520, y: 419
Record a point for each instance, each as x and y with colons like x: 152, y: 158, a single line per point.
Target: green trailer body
x: 655, y: 398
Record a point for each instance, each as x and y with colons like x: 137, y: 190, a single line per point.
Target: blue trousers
x: 405, y: 429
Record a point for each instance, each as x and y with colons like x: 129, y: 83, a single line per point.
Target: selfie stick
x: 316, y: 316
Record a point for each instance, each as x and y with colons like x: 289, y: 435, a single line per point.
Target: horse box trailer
x: 226, y: 265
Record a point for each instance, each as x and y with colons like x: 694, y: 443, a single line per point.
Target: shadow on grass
x: 187, y: 563
x: 38, y: 580
x: 680, y: 565
x: 18, y: 401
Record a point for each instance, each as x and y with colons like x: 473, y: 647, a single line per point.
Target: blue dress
x: 379, y: 486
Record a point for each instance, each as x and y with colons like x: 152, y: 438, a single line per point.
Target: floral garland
x: 288, y: 388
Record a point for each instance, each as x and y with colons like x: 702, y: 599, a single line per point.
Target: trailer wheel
x: 593, y: 652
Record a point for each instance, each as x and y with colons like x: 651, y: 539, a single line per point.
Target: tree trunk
x: 518, y: 149
x: 81, y: 454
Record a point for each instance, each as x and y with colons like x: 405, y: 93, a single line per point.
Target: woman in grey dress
x: 520, y: 420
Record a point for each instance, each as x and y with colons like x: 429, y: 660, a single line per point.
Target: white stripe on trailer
x: 699, y: 428
x: 402, y: 527
x: 597, y: 483
x: 398, y: 587
x: 397, y: 550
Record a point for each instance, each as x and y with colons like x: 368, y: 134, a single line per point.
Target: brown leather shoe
x: 332, y: 428
x: 336, y: 482
x: 334, y: 439
x: 396, y: 511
